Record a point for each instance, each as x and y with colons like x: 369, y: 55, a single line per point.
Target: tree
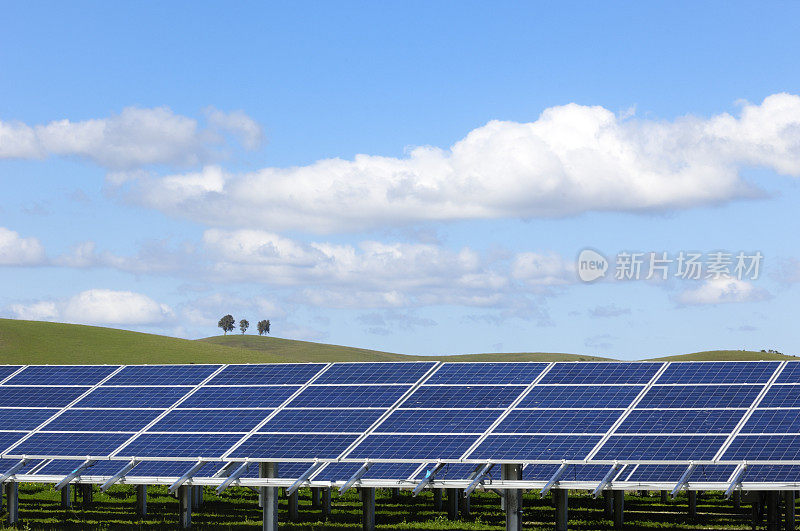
x: 243, y: 325
x: 263, y: 327
x: 227, y: 323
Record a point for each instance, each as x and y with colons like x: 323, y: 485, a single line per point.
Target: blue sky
x: 411, y: 177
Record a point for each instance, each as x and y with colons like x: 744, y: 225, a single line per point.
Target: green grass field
x: 36, y: 342
x: 238, y: 509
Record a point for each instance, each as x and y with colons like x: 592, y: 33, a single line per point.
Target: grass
x: 237, y: 509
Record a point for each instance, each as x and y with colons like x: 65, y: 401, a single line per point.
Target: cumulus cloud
x: 572, y: 159
x: 721, y: 291
x: 133, y: 138
x: 98, y: 306
x: 18, y: 251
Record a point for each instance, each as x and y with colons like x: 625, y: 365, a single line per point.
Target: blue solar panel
x: 581, y: 396
x: 773, y: 421
x: 102, y: 420
x: 719, y: 372
x: 464, y: 396
x: 487, y: 373
x: 288, y: 446
x: 374, y: 373
x: 180, y: 445
x: 419, y: 447
x: 167, y: 469
x: 278, y: 374
x: 572, y: 473
x: 58, y: 467
x: 341, y: 472
x: 673, y: 473
x: 24, y: 419
x: 134, y: 397
x: 558, y: 421
x: 438, y: 421
x: 62, y: 375
x: 700, y: 396
x: 601, y: 373
x: 328, y: 420
x: 538, y: 472
x: 70, y: 444
x: 349, y: 396
x: 8, y: 438
x: 790, y: 373
x: 764, y: 447
x: 214, y: 420
x: 39, y: 396
x: 778, y: 396
x: 8, y: 370
x: 455, y: 471
x: 7, y: 464
x: 162, y: 375
x: 772, y: 473
x: 239, y: 397
x: 680, y: 421
x: 661, y: 447
x: 532, y: 447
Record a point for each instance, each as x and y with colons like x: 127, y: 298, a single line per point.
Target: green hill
x: 36, y: 342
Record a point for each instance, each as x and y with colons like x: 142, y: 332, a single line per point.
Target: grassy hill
x: 35, y: 342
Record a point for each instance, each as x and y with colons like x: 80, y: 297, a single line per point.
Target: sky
x: 615, y: 179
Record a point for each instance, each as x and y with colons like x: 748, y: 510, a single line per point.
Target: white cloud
x: 720, y: 291
x: 133, y: 138
x: 98, y: 306
x: 18, y: 251
x: 572, y: 160
x: 543, y: 269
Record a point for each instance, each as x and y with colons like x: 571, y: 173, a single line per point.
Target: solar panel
x: 464, y: 396
x: 173, y: 469
x: 278, y: 374
x: 417, y: 447
x: 62, y: 375
x: 162, y: 374
x: 773, y: 421
x: 580, y: 396
x: 8, y: 370
x: 39, y: 396
x: 322, y: 420
x: 69, y: 444
x: 133, y: 397
x: 243, y: 397
x: 601, y: 373
x: 558, y: 421
x: 790, y: 373
x: 8, y: 438
x: 293, y: 446
x: 6, y: 464
x: 24, y: 419
x: 211, y: 420
x: 673, y: 473
x: 680, y: 421
x: 438, y: 421
x: 487, y: 373
x: 452, y: 471
x: 764, y: 447
x: 778, y: 396
x: 349, y: 396
x: 535, y: 447
x: 718, y: 372
x: 661, y: 447
x: 772, y: 473
x: 130, y: 420
x: 180, y: 445
x: 341, y: 472
x: 700, y: 396
x: 65, y: 466
x: 375, y: 373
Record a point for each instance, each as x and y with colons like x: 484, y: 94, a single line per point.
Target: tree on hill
x: 227, y: 323
x: 243, y: 325
x: 263, y: 327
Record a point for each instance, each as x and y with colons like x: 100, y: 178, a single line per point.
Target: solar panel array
x: 406, y: 416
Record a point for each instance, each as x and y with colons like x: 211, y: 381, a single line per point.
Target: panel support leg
x: 293, y: 509
x: 270, y: 497
x: 185, y: 506
x: 773, y: 511
x: 664, y: 496
x: 513, y: 498
x: 12, y: 502
x: 87, y: 495
x: 561, y: 499
x: 465, y: 503
x: 608, y: 502
x: 326, y: 502
x: 141, y: 500
x: 66, y: 501
x: 368, y: 511
x: 619, y: 509
x: 395, y: 494
x: 315, y: 497
x: 692, y: 494
x: 437, y: 499
x: 452, y: 504
x: 737, y: 499
x: 788, y: 504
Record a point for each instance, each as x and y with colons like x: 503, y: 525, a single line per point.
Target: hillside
x: 35, y: 342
